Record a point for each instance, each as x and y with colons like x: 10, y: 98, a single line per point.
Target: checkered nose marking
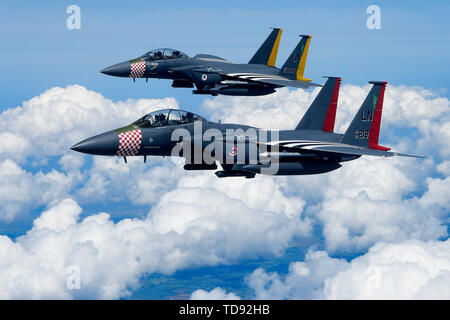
x: 129, y: 143
x: 137, y: 69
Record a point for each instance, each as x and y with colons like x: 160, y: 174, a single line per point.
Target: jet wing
x: 290, y: 83
x: 355, y: 150
x: 311, y: 146
x: 274, y: 80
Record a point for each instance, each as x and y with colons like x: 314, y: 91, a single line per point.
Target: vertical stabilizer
x: 294, y: 67
x: 365, y: 127
x: 267, y: 53
x: 321, y: 114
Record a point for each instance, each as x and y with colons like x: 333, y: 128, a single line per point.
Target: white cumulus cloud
x: 215, y: 294
x: 408, y: 270
x: 21, y: 190
x: 190, y: 226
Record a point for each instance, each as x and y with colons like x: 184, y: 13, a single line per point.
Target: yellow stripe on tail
x: 273, y: 54
x: 302, y: 63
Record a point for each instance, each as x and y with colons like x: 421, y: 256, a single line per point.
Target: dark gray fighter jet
x: 311, y: 148
x: 214, y: 75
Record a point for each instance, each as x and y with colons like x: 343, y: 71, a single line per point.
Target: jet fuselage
x: 202, y: 143
x: 311, y: 148
x: 214, y: 75
x: 210, y: 74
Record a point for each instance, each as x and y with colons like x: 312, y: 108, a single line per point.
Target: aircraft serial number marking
x: 290, y: 70
x: 362, y: 134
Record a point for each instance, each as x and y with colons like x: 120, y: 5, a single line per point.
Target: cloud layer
x: 195, y: 219
x: 407, y: 270
x: 183, y: 230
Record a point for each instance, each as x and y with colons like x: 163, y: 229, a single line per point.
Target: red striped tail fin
x: 365, y: 127
x: 321, y: 115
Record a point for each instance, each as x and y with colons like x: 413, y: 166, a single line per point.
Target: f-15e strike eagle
x: 215, y: 75
x: 311, y: 148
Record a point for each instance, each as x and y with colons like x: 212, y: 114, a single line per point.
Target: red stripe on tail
x: 328, y: 125
x: 376, y: 123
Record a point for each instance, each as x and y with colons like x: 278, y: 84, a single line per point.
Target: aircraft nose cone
x: 122, y: 69
x: 105, y: 144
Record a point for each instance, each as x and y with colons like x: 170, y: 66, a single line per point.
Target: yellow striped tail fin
x: 294, y: 67
x: 267, y: 53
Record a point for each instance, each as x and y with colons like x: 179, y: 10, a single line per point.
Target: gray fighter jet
x: 311, y: 148
x: 214, y: 75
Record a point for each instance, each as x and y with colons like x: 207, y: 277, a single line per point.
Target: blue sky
x: 38, y: 52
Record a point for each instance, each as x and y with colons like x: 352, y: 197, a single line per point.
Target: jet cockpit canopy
x: 167, y: 117
x: 163, y: 54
